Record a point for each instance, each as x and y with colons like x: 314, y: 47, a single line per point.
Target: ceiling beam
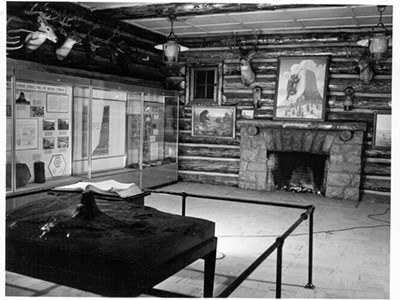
x: 190, y: 9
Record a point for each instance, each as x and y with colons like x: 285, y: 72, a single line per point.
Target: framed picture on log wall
x: 301, y: 88
x: 382, y: 137
x: 213, y: 121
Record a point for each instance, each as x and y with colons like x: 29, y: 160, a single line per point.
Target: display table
x: 110, y: 248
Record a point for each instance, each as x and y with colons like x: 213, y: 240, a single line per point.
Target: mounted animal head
x: 366, y: 66
x: 32, y: 39
x: 245, y: 54
x: 71, y: 37
x: 45, y: 32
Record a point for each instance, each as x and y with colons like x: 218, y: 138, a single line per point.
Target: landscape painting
x: 301, y: 88
x: 213, y: 121
x: 383, y: 130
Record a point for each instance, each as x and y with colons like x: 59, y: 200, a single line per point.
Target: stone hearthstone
x: 342, y: 142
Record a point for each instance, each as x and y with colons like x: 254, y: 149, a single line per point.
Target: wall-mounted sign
x: 57, y: 103
x: 26, y: 134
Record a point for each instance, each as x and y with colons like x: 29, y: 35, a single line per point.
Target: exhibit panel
x: 39, y: 132
x: 133, y: 128
x: 106, y: 110
x: 160, y: 144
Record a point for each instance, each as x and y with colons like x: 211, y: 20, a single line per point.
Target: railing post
x: 279, y: 268
x: 309, y: 284
x: 184, y: 196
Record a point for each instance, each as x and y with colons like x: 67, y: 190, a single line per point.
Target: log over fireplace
x: 338, y: 144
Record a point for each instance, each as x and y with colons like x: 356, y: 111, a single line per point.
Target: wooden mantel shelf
x: 353, y: 126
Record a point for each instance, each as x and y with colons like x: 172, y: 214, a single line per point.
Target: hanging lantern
x: 171, y: 48
x: 379, y: 41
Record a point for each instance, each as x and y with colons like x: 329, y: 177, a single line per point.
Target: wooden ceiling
x: 196, y: 20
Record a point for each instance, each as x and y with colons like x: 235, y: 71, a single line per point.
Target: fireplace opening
x: 300, y: 172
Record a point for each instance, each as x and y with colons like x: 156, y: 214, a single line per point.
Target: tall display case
x: 61, y: 128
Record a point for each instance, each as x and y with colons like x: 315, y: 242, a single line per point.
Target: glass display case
x: 63, y: 127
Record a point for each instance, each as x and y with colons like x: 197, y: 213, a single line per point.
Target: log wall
x: 216, y: 160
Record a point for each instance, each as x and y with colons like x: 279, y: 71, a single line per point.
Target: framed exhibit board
x: 42, y: 114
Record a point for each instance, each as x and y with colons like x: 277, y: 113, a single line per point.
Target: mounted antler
x: 93, y: 46
x: 35, y: 38
x: 67, y: 29
x: 245, y: 54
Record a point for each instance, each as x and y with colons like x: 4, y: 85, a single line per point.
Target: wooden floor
x: 351, y: 247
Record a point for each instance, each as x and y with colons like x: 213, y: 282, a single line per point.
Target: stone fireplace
x: 340, y: 144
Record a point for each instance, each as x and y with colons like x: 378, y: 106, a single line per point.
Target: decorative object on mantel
x: 252, y: 130
x: 301, y: 88
x: 257, y: 96
x: 214, y: 121
x: 171, y: 48
x: 247, y: 114
x: 349, y: 98
x: 246, y: 71
x: 380, y: 40
x: 346, y: 135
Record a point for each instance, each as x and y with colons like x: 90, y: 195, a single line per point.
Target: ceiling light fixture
x: 379, y: 41
x: 171, y: 48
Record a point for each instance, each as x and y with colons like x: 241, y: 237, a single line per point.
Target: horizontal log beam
x: 186, y: 137
x: 302, y: 125
x: 206, y: 152
x: 222, y: 166
x: 377, y: 169
x: 209, y: 178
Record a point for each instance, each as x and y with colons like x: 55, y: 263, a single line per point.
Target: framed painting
x: 382, y: 137
x: 301, y: 87
x: 214, y: 121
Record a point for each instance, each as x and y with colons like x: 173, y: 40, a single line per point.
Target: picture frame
x: 382, y: 137
x: 247, y: 114
x: 301, y: 88
x: 214, y: 121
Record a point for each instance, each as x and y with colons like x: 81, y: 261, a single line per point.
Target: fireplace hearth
x: 299, y: 172
x: 336, y: 148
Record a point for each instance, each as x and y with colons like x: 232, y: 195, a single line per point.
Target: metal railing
x: 278, y: 244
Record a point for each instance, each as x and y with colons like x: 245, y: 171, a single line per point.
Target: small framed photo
x: 63, y: 124
x: 49, y: 124
x: 382, y: 137
x: 48, y: 143
x: 214, y: 121
x: 247, y: 114
x: 301, y: 88
x: 63, y: 142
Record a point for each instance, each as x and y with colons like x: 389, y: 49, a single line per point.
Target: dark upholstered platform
x: 112, y: 248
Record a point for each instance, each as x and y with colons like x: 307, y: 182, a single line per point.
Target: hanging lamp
x: 171, y: 48
x: 379, y: 41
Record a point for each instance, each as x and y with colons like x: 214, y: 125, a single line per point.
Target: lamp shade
x: 378, y: 46
x: 171, y: 51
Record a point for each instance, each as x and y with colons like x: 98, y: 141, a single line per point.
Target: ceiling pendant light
x: 171, y: 48
x: 379, y: 41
